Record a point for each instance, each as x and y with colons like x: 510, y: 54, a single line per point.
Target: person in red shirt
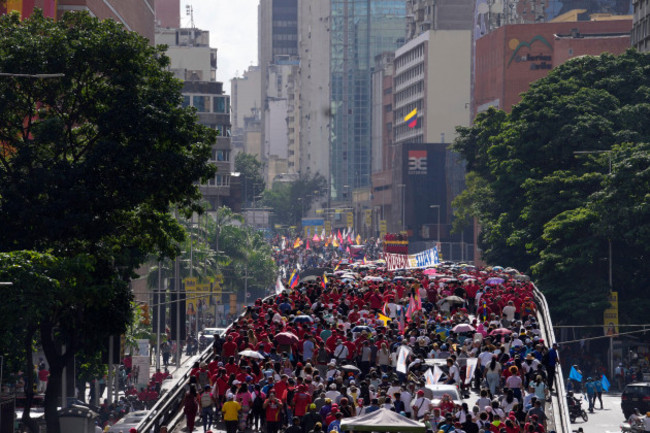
x: 272, y: 407
x: 281, y: 387
x: 231, y: 367
x: 354, y: 316
x: 229, y: 348
x: 301, y: 402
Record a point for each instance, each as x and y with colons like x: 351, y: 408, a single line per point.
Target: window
x: 202, y: 103
x: 186, y: 101
x: 219, y: 104
x: 221, y: 155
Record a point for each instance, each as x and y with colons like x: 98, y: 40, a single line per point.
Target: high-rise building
x: 640, y: 32
x: 359, y: 31
x: 313, y: 87
x: 423, y: 15
x: 278, y: 60
x: 168, y: 13
x: 194, y: 62
x: 246, y: 113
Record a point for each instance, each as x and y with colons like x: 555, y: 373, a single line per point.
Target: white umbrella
x: 251, y: 354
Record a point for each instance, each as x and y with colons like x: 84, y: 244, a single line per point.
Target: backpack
x: 203, y: 378
x: 206, y: 400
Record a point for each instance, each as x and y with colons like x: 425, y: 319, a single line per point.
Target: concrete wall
x: 245, y: 92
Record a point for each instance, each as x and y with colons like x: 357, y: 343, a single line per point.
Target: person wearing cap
x: 318, y: 428
x: 420, y: 405
x: 590, y: 388
x: 447, y: 425
x: 311, y: 418
x: 301, y: 400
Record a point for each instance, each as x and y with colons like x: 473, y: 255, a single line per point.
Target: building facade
x: 168, y: 13
x: 641, y: 30
x: 313, y: 88
x: 190, y: 53
x: 423, y: 15
x: 359, y: 31
x: 246, y: 92
x: 513, y: 56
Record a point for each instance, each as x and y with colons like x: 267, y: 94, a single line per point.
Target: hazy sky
x: 233, y: 31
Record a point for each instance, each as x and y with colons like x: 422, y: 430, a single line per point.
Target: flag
x: 349, y: 239
x: 383, y: 318
x: 339, y: 236
x: 411, y: 309
x: 573, y: 374
x: 293, y: 281
x: 383, y: 309
x: 324, y: 281
x: 297, y: 243
x: 401, y: 323
x: 316, y: 238
x: 322, y: 233
x: 358, y: 239
x: 437, y: 374
x: 279, y: 287
x: 307, y: 247
x: 418, y: 301
x: 428, y: 377
x: 283, y: 245
x: 605, y: 383
x: 470, y: 368
x: 335, y: 243
x: 338, y: 264
x: 402, y: 354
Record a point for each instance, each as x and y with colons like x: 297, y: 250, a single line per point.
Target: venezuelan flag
x: 324, y: 281
x: 293, y: 281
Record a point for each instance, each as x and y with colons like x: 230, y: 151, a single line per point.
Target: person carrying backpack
x: 207, y: 401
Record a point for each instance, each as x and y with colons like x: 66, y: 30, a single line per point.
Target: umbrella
x: 501, y: 331
x: 463, y: 327
x: 497, y: 268
x: 362, y: 328
x: 373, y: 279
x: 449, y: 280
x: 350, y: 369
x: 310, y: 278
x: 286, y: 338
x: 494, y: 281
x: 429, y: 271
x: 303, y: 319
x: 454, y: 299
x: 251, y: 354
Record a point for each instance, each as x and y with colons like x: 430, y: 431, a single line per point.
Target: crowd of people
x: 362, y: 338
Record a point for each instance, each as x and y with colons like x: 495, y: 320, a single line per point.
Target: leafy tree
x: 90, y: 164
x: 252, y: 175
x: 544, y: 209
x: 290, y: 200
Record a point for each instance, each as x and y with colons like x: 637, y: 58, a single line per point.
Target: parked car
x: 435, y: 393
x: 635, y: 395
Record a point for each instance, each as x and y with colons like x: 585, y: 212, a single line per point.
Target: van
x: 635, y: 396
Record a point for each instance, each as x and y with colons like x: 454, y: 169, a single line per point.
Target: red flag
x: 338, y: 235
x: 307, y: 247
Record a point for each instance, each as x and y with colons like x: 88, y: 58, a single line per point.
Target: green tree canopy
x: 544, y: 208
x: 289, y: 200
x: 90, y: 164
x: 252, y: 176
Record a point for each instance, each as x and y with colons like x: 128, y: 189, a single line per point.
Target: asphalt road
x: 607, y: 420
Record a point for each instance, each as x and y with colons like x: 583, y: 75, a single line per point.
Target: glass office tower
x: 360, y: 30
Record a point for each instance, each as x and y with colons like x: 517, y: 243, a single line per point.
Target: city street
x: 607, y: 420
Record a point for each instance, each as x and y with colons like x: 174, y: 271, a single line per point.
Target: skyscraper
x: 359, y: 30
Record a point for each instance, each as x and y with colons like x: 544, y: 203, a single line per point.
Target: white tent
x: 382, y: 420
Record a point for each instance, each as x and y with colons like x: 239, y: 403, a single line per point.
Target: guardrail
x: 560, y: 408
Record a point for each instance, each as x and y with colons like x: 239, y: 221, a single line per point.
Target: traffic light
x: 146, y: 320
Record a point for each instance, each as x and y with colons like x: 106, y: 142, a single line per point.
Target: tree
x: 542, y: 207
x: 90, y: 164
x: 290, y: 200
x: 252, y: 175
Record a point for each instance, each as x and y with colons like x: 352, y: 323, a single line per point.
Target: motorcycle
x: 576, y: 410
x: 626, y: 427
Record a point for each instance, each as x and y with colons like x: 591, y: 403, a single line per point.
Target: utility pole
x: 177, y: 286
x: 158, y: 317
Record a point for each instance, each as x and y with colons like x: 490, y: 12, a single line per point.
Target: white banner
x: 437, y: 374
x: 470, y: 368
x: 411, y: 261
x: 401, y: 359
x: 279, y: 287
x: 141, y: 373
x: 143, y: 348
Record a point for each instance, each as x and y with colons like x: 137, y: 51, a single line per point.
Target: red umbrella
x: 286, y: 338
x: 501, y: 331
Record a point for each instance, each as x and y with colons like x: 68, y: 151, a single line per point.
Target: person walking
x: 599, y: 392
x: 590, y: 388
x: 190, y: 407
x: 207, y: 401
x: 230, y: 411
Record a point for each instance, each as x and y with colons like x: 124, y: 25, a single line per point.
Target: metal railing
x: 559, y: 406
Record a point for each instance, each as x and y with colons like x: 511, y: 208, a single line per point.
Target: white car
x: 435, y: 393
x: 211, y: 332
x: 129, y: 420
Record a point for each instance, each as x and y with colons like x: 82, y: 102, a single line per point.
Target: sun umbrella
x: 463, y: 327
x: 362, y: 328
x: 286, y: 338
x: 449, y: 280
x: 494, y: 281
x: 303, y: 319
x: 501, y: 331
x: 251, y: 354
x: 350, y: 369
x: 497, y: 268
x: 310, y: 278
x: 454, y: 299
x: 429, y: 271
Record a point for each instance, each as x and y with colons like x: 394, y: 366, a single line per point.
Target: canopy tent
x: 382, y: 420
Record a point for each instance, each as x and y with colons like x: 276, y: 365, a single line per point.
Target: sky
x: 233, y: 31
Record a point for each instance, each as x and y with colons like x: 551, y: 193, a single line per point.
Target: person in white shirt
x: 420, y: 405
x: 510, y: 310
x: 454, y: 372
